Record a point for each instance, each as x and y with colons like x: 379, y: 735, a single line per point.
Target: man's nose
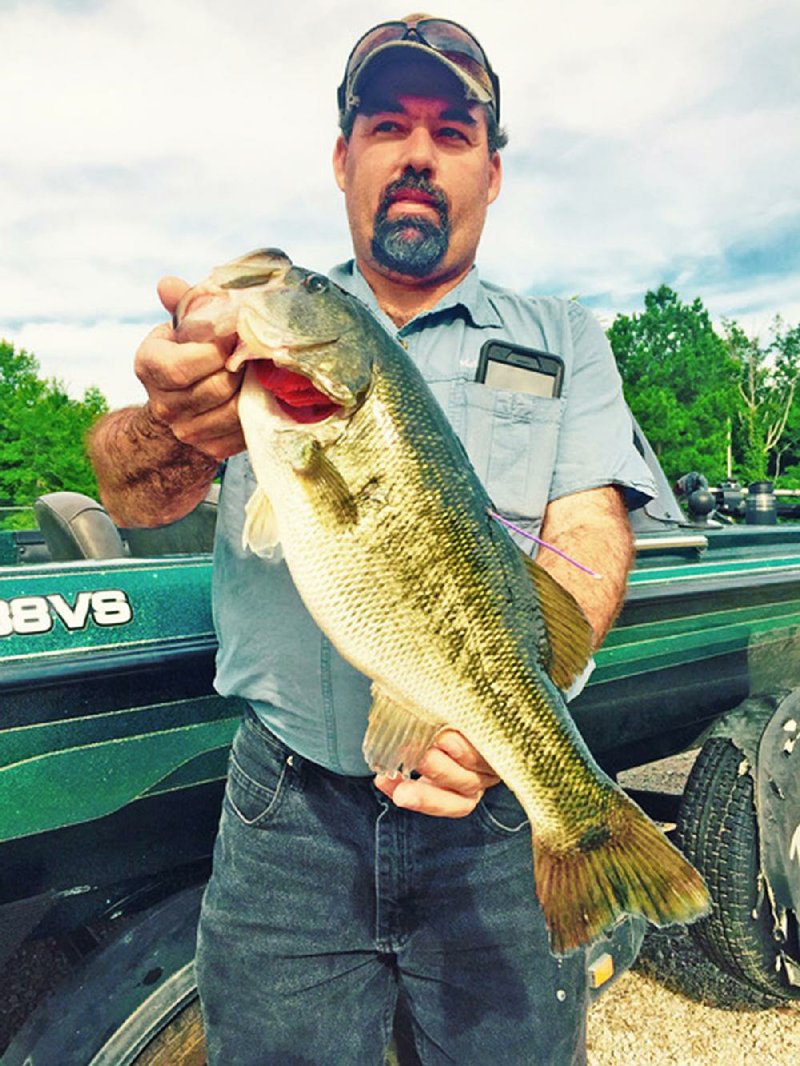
x: 420, y: 151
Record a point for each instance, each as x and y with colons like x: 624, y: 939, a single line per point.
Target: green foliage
x: 22, y: 518
x: 42, y: 431
x: 786, y: 452
x: 680, y: 382
x: 707, y: 400
x: 786, y: 466
x: 769, y: 420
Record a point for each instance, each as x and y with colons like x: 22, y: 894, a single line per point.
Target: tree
x: 768, y: 380
x: 680, y: 382
x: 786, y: 469
x: 42, y: 431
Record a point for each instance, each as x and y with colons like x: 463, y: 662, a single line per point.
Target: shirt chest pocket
x: 511, y: 439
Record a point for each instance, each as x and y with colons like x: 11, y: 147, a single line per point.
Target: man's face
x: 417, y: 179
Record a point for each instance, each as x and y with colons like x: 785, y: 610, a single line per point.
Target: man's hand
x: 187, y: 384
x: 453, y: 779
x: 155, y: 462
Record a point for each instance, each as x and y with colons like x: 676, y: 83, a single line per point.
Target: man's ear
x: 339, y: 160
x: 495, y: 177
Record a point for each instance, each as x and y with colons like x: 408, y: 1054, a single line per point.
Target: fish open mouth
x: 294, y: 393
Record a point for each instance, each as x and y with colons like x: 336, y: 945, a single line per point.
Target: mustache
x: 413, y: 183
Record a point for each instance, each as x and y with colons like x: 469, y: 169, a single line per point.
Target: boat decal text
x: 30, y: 615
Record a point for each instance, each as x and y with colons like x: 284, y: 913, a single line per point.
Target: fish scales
x: 385, y: 528
x: 426, y: 573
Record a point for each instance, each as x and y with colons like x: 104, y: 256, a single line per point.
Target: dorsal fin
x: 569, y: 635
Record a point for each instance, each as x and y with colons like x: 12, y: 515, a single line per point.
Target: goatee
x: 409, y: 244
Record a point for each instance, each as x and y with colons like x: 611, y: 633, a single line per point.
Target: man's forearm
x: 146, y: 476
x: 593, y: 528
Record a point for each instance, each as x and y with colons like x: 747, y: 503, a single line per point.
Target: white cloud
x: 82, y: 356
x: 145, y: 138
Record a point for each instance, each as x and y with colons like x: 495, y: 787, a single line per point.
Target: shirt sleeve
x: 596, y: 445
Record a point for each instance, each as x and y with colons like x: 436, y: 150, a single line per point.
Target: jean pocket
x: 257, y: 777
x: 512, y: 440
x: 501, y: 811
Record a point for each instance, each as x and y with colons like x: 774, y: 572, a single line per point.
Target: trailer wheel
x: 717, y: 829
x: 180, y: 1043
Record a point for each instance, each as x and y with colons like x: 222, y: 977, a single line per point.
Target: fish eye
x: 315, y: 283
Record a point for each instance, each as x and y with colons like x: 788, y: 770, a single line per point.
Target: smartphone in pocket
x: 515, y: 368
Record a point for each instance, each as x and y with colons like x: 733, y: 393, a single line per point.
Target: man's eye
x: 451, y: 133
x: 386, y: 125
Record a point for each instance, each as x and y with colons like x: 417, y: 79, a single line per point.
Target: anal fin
x: 397, y: 736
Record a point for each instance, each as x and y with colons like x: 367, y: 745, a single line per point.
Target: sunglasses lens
x: 389, y: 31
x: 451, y: 38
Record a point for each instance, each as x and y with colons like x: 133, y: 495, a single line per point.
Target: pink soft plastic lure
x: 550, y: 547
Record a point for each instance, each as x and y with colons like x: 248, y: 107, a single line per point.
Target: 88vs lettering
x: 30, y: 615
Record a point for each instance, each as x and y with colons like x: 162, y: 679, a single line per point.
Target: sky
x: 648, y: 143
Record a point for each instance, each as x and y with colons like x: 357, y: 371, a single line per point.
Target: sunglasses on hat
x: 447, y: 39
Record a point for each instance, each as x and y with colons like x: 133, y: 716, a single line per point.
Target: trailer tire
x: 717, y: 830
x: 181, y: 1042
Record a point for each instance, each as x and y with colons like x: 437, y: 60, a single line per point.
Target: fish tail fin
x: 623, y: 866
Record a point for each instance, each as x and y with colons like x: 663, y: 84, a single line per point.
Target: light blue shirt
x: 526, y: 449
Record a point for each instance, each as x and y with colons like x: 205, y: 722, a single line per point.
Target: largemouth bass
x: 387, y: 532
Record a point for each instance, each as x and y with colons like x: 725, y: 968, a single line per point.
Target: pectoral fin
x: 568, y: 644
x: 309, y: 459
x: 260, y: 531
x: 397, y: 737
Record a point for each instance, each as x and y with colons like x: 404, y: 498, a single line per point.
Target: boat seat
x: 75, y: 526
x: 193, y: 534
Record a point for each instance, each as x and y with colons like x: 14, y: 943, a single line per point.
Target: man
x: 333, y: 898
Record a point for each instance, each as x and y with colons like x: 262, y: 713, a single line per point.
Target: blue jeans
x: 327, y: 903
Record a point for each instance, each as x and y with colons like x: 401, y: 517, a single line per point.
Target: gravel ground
x: 676, y: 1009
